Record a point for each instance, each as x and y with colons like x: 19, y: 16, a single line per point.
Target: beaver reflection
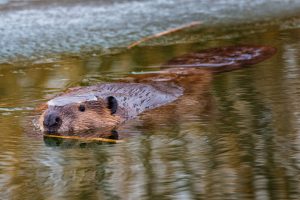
x: 111, y: 104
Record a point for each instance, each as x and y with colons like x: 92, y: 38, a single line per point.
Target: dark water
x: 237, y: 138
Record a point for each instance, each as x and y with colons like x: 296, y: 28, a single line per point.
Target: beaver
x: 111, y: 104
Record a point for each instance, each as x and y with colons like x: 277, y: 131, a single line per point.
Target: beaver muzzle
x: 52, y: 122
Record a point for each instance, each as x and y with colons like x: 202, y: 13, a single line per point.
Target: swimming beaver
x: 110, y: 104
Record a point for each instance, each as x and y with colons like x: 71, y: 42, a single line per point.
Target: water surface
x: 237, y: 138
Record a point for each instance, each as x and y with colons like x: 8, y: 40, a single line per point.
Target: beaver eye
x: 81, y: 108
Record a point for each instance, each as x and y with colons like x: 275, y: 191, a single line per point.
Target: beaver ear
x: 112, y: 104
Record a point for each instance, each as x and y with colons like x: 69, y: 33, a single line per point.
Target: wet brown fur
x: 95, y: 115
x: 192, y: 79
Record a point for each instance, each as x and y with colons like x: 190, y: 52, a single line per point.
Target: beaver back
x: 132, y: 98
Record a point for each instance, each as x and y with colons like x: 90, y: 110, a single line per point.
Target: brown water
x: 240, y: 139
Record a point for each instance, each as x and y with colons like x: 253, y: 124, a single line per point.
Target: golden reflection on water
x: 234, y: 138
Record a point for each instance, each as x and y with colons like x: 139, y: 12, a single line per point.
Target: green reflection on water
x: 238, y: 140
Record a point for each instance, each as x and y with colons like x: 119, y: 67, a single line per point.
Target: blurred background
x: 240, y: 140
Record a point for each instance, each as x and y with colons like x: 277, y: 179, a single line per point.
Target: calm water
x: 237, y: 137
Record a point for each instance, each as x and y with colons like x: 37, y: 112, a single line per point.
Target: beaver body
x: 109, y: 104
x: 130, y: 99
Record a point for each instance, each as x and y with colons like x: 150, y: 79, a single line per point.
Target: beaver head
x: 73, y: 114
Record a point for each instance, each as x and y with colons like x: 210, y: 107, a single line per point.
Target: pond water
x: 240, y: 139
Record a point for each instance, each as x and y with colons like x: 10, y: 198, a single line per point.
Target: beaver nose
x: 52, y: 121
